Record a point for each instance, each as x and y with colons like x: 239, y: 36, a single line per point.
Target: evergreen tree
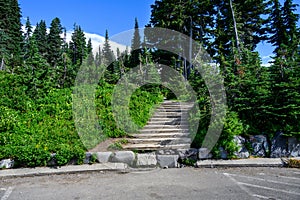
x: 89, y: 47
x: 10, y: 29
x: 136, y: 40
x: 40, y: 33
x: 108, y: 54
x: 55, y: 42
x: 284, y: 71
x: 27, y: 35
x: 36, y: 71
x: 135, y: 45
x: 98, y: 58
x: 77, y: 46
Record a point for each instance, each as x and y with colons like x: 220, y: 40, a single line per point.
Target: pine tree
x: 10, y: 29
x: 108, y: 54
x: 135, y: 45
x: 90, y: 55
x: 77, y: 46
x: 36, y: 71
x: 26, y: 42
x: 40, y: 33
x: 285, y: 68
x: 55, y: 42
x: 98, y: 58
x: 136, y: 40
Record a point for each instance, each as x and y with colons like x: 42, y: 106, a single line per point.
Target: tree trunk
x: 235, y: 29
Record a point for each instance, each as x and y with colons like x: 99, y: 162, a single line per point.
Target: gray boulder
x: 6, y: 164
x: 103, y: 157
x: 260, y: 145
x: 204, y: 153
x: 223, y: 153
x: 279, y: 146
x: 242, y: 150
x: 294, y: 147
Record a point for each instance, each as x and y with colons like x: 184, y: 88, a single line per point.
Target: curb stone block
x: 167, y: 161
x: 127, y: 157
x: 103, y: 157
x: 146, y: 160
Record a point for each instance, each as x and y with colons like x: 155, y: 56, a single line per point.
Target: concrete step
x: 160, y: 139
x: 169, y: 130
x: 177, y: 122
x: 154, y: 117
x: 164, y: 134
x: 164, y: 119
x: 167, y: 114
x: 165, y: 127
x: 154, y: 146
x: 175, y: 109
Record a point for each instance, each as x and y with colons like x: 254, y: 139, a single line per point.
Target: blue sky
x: 95, y: 16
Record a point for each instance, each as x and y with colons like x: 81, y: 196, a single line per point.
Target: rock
x: 127, y: 157
x: 6, y: 164
x: 103, y: 157
x: 87, y: 158
x: 293, y: 147
x: 279, y: 146
x: 260, y: 145
x: 223, y: 153
x: 166, y: 152
x: 182, y: 152
x: 146, y: 160
x: 204, y: 153
x: 242, y: 150
x: 52, y: 161
x: 169, y: 161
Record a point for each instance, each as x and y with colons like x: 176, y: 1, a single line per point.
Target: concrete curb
x: 123, y: 167
x: 250, y: 162
x: 41, y: 171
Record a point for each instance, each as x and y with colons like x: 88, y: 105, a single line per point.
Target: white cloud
x: 98, y: 40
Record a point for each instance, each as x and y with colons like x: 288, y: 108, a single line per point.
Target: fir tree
x: 55, y: 42
x: 10, y: 29
x: 40, y: 33
x: 77, y: 46
x: 108, y: 54
x: 135, y: 45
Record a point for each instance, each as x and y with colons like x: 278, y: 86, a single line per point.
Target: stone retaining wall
x: 280, y: 146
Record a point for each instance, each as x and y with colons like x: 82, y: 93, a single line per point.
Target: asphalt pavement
x: 177, y: 183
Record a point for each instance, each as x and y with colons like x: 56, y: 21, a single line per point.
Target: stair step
x: 164, y: 127
x: 168, y: 128
x: 170, y: 110
x: 165, y: 119
x: 159, y: 140
x: 153, y: 146
x: 167, y: 135
x: 173, y: 123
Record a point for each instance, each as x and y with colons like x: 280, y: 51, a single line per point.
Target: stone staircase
x: 167, y: 129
